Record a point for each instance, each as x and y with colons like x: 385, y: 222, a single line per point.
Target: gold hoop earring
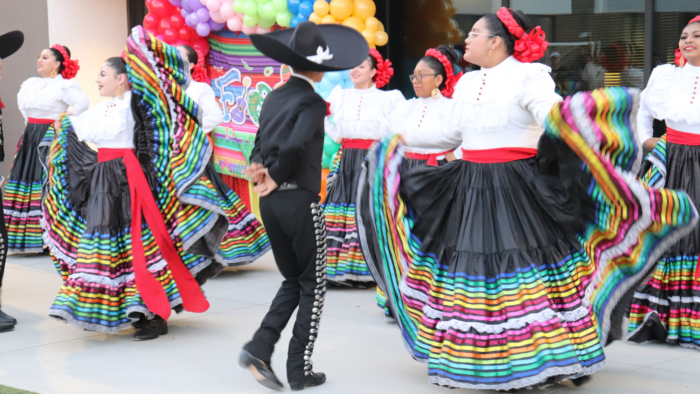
x: 490, y: 51
x: 435, y: 93
x: 681, y: 61
x: 54, y: 73
x: 120, y: 92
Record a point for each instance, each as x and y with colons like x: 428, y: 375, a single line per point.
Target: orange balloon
x: 381, y: 38
x: 355, y: 23
x: 372, y: 23
x: 341, y: 9
x: 370, y: 36
x: 328, y: 20
x: 321, y: 8
x: 364, y: 9
x: 315, y: 18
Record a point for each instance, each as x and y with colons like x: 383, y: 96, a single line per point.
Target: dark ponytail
x: 437, y: 66
x: 498, y: 29
x: 117, y: 64
x: 192, y: 56
x: 59, y: 58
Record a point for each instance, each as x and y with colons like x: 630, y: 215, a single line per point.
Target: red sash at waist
x: 430, y: 157
x: 498, y: 155
x: 681, y: 138
x: 39, y: 121
x: 351, y: 143
x: 143, y: 205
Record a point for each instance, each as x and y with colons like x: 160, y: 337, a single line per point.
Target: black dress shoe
x: 581, y: 381
x: 5, y: 318
x: 262, y: 372
x: 152, y: 330
x: 315, y: 379
x: 140, y: 323
x: 5, y: 327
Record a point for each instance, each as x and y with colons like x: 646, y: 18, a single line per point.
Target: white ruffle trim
x: 40, y: 93
x: 658, y: 97
x: 102, y: 122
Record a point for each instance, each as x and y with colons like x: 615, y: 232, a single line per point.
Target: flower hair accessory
x: 680, y: 60
x: 199, y: 72
x: 452, y: 79
x: 528, y: 47
x: 70, y: 67
x: 384, y: 70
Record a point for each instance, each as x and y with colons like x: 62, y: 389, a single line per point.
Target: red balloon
x: 161, y: 8
x: 186, y: 33
x: 170, y: 36
x: 201, y: 45
x: 150, y: 22
x: 163, y: 25
x: 176, y: 21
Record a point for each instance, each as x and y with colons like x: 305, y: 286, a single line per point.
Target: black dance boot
x: 5, y: 327
x: 262, y: 371
x: 152, y: 330
x: 140, y: 323
x: 313, y: 380
x: 7, y: 319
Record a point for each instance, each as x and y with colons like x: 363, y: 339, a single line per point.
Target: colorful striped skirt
x: 22, y: 202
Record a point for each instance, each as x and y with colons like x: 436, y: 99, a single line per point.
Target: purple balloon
x: 203, y: 29
x: 186, y: 6
x: 191, y: 20
x: 184, y: 13
x: 195, y: 4
x: 216, y: 26
x: 203, y: 15
x: 176, y: 3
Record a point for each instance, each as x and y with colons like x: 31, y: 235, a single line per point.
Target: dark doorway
x: 135, y: 11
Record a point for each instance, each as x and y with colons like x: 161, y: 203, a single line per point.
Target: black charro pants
x: 295, y: 225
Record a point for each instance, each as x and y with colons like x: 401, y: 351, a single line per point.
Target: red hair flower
x: 528, y: 47
x: 451, y: 77
x: 199, y: 73
x: 678, y: 61
x: 384, y: 70
x: 70, y: 67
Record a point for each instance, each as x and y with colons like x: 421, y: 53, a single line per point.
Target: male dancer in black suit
x: 9, y: 44
x: 286, y: 166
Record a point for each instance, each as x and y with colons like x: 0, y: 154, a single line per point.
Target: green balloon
x: 250, y: 20
x: 326, y: 162
x: 250, y: 8
x: 266, y: 23
x: 239, y: 6
x: 263, y: 1
x: 329, y: 146
x: 280, y: 5
x: 269, y: 11
x: 284, y: 19
x: 261, y: 10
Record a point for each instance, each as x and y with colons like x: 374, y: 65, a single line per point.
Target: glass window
x: 670, y: 17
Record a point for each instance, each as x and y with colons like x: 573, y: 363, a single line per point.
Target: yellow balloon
x: 381, y: 38
x: 328, y: 20
x: 381, y: 27
x: 370, y: 36
x: 372, y: 23
x: 355, y: 23
x: 315, y: 18
x: 321, y: 8
x: 341, y: 9
x: 364, y: 9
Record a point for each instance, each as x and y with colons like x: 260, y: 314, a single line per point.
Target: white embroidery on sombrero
x: 321, y: 55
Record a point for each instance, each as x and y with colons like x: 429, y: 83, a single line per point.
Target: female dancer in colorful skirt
x: 423, y: 123
x: 246, y: 239
x: 137, y: 229
x: 667, y: 306
x: 357, y: 117
x: 41, y: 101
x: 503, y: 269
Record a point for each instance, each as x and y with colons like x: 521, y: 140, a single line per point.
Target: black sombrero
x: 10, y: 43
x: 314, y: 48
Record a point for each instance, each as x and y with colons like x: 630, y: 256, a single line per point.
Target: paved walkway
x: 359, y: 350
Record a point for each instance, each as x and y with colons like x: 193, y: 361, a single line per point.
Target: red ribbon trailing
x: 144, y: 205
x: 40, y: 121
x: 351, y: 143
x: 430, y: 157
x: 499, y: 155
x: 2, y: 105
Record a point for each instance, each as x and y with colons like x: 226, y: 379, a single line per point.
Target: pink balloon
x: 213, y: 5
x: 160, y: 37
x: 226, y: 1
x: 216, y: 17
x: 247, y: 29
x: 235, y: 24
x: 227, y: 11
x: 262, y: 30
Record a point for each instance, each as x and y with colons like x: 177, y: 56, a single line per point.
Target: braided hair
x: 498, y: 29
x: 59, y: 58
x: 437, y: 67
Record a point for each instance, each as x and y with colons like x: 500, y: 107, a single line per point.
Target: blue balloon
x: 302, y: 18
x: 305, y: 9
x: 295, y: 21
x: 333, y: 77
x: 293, y: 6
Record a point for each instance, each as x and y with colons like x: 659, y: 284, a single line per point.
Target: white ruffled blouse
x: 48, y: 98
x: 210, y: 114
x: 109, y: 124
x: 671, y: 95
x: 423, y: 125
x: 503, y: 106
x: 360, y: 113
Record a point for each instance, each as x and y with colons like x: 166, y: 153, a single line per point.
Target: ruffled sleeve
x: 100, y: 124
x: 22, y: 97
x: 653, y: 100
x: 74, y: 96
x: 538, y: 95
x: 211, y: 112
x: 395, y: 122
x: 336, y: 101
